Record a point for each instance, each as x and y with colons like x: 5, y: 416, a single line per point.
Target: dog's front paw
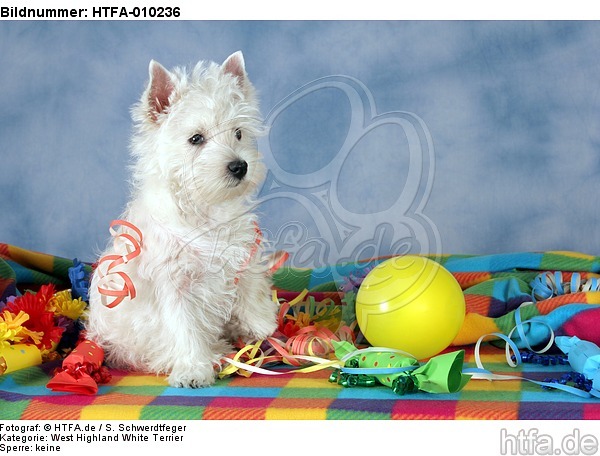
x: 261, y: 329
x: 192, y: 378
x: 250, y: 331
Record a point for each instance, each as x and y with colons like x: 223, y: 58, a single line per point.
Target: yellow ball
x: 410, y: 303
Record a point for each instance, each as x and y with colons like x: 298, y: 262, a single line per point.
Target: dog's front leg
x: 195, y: 348
x: 254, y: 316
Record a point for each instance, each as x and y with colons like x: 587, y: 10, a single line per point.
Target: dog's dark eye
x: 238, y: 134
x: 197, y: 139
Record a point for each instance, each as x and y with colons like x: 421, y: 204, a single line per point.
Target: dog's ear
x: 159, y: 90
x: 234, y: 65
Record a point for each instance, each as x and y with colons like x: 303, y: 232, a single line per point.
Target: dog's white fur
x: 196, y: 291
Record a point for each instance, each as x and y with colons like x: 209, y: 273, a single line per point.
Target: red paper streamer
x: 133, y: 247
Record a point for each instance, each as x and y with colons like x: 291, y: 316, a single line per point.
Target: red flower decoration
x: 45, y: 293
x: 52, y: 333
x: 41, y: 319
x: 289, y: 328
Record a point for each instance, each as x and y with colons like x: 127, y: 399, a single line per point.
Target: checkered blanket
x: 495, y: 286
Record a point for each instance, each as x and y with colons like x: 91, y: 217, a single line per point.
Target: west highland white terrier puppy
x: 188, y: 254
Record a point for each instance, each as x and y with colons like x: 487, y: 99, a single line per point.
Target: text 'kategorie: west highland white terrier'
x: 199, y: 279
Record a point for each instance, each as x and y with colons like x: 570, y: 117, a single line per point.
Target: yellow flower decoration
x: 10, y: 327
x: 332, y: 323
x: 324, y: 318
x: 13, y: 331
x: 35, y: 336
x: 62, y: 303
x: 14, y: 321
x: 57, y: 299
x: 7, y: 335
x: 303, y: 319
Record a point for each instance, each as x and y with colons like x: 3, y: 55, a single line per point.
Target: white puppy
x: 197, y: 279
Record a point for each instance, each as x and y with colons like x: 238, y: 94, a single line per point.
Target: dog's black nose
x: 238, y: 168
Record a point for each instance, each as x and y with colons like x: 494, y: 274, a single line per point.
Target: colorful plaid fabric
x: 23, y: 395
x: 494, y: 286
x: 22, y: 270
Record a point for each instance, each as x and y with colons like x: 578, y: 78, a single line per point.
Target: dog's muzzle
x: 238, y: 168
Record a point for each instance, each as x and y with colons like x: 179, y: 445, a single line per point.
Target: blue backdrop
x: 385, y: 137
